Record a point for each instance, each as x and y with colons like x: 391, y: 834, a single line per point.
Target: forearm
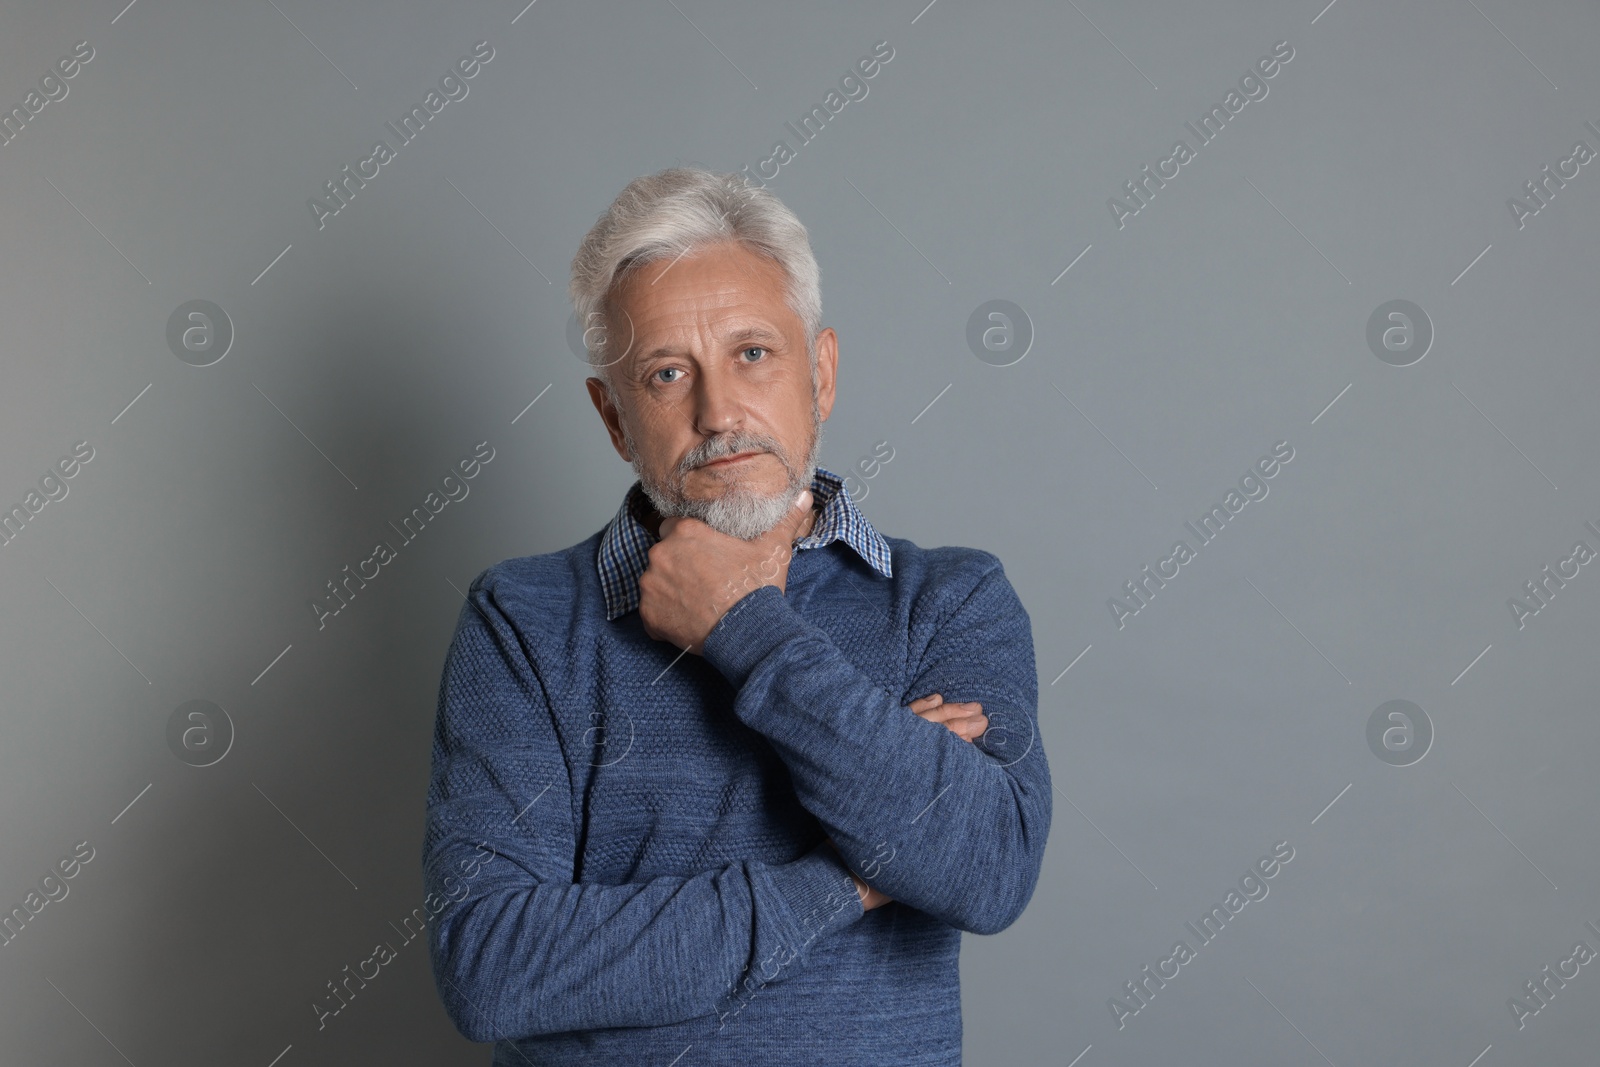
x: 517, y: 957
x: 952, y: 828
x: 527, y: 949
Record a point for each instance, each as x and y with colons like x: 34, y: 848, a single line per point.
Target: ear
x: 608, y: 415
x: 827, y: 367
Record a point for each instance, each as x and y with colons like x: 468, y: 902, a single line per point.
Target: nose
x: 719, y: 406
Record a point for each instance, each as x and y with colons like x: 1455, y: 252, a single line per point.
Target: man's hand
x: 967, y: 721
x: 695, y: 574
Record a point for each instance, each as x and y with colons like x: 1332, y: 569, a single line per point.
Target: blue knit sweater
x: 635, y: 855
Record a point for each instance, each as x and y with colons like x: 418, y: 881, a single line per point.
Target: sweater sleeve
x: 954, y: 828
x: 517, y: 947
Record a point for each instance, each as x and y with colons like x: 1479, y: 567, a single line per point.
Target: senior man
x: 725, y: 782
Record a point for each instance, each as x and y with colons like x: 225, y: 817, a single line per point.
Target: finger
x: 943, y: 713
x: 802, y: 505
x: 947, y: 711
x: 965, y: 725
x: 969, y: 726
x: 672, y: 522
x: 935, y: 699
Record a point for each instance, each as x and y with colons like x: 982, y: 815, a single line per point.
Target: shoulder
x: 939, y: 580
x: 963, y: 610
x: 942, y: 570
x: 526, y: 589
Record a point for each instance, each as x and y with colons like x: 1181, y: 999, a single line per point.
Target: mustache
x: 714, y: 449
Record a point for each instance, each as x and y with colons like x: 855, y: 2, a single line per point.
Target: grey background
x: 1228, y: 315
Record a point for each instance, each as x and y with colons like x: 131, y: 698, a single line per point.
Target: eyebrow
x: 750, y: 332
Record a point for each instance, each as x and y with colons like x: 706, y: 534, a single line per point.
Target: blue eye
x: 752, y: 348
x: 664, y: 370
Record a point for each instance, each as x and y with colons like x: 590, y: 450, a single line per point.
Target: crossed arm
x: 954, y: 829
x: 526, y: 950
x: 968, y: 722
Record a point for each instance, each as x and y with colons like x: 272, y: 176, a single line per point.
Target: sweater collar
x: 625, y: 546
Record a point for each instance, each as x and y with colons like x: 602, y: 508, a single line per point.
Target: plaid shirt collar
x: 624, y: 549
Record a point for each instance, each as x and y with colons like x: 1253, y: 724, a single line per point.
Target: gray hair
x: 668, y: 214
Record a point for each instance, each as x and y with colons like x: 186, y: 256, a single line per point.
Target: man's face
x: 716, y: 367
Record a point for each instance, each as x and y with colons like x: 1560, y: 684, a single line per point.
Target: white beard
x: 737, y: 512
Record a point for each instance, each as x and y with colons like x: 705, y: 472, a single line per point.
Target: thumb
x: 802, y: 505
